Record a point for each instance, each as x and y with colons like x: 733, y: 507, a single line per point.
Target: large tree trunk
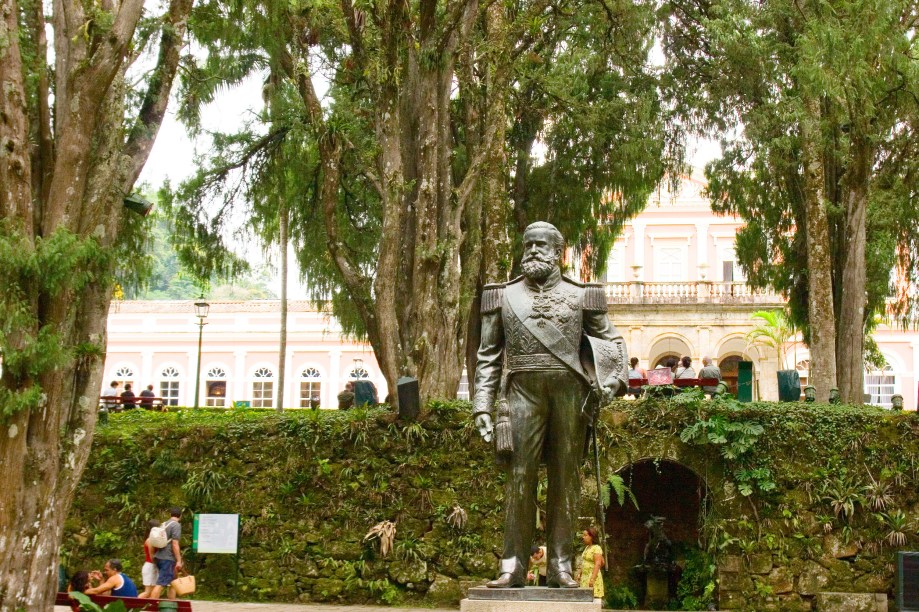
x: 850, y: 339
x: 68, y: 216
x: 819, y: 261
x: 417, y: 317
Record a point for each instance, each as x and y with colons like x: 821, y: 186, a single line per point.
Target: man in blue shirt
x: 116, y: 583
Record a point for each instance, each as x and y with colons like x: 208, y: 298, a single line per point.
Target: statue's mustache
x: 548, y: 259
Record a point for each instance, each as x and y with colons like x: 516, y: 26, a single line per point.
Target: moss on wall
x: 822, y: 495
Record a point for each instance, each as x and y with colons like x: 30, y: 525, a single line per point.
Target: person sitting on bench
x: 116, y: 583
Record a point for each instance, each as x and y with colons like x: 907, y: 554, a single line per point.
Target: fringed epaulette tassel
x: 504, y: 439
x: 595, y: 297
x: 491, y: 297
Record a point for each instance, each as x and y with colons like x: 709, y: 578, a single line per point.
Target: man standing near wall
x: 168, y: 559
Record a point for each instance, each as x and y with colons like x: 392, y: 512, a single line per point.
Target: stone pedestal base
x: 494, y: 605
x: 530, y: 599
x: 657, y: 592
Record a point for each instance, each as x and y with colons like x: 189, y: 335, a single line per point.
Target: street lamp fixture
x: 201, y: 310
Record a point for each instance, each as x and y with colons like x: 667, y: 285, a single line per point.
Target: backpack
x: 158, y: 537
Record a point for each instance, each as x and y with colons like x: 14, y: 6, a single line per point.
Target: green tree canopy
x: 814, y: 102
x: 75, y: 133
x: 398, y: 179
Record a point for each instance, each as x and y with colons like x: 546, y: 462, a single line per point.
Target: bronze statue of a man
x: 544, y: 337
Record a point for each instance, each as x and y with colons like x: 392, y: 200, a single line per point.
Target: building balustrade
x: 689, y: 292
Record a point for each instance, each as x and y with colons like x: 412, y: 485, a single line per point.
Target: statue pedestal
x: 658, y: 592
x: 530, y: 599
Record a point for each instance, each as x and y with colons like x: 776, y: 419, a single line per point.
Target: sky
x: 174, y: 153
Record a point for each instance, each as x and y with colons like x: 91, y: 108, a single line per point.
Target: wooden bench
x: 131, y: 603
x: 679, y: 382
x: 116, y: 401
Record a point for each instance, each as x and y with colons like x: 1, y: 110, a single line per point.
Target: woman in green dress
x: 592, y: 562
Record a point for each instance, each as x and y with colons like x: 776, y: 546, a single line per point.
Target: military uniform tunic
x: 532, y: 334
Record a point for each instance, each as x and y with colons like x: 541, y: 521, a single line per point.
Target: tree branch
x: 43, y: 160
x: 357, y: 283
x: 305, y: 88
x: 355, y: 21
x: 125, y: 21
x: 16, y: 190
x: 107, y: 58
x: 467, y: 188
x: 153, y: 109
x: 457, y: 15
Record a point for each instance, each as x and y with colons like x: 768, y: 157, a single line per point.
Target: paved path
x: 224, y: 606
x: 219, y: 606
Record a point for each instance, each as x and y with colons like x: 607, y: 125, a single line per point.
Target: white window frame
x: 730, y: 254
x: 262, y: 387
x: 682, y: 260
x: 615, y: 264
x: 882, y: 385
x: 170, y: 395
x: 364, y: 373
x: 318, y: 380
x: 123, y: 373
x: 216, y: 372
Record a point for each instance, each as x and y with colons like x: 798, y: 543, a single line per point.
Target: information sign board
x: 216, y: 534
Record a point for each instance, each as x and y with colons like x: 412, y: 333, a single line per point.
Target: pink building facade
x: 674, y: 289
x: 156, y: 342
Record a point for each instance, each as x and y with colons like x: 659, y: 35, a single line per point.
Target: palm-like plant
x: 774, y: 330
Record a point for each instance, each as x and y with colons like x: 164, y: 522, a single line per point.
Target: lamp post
x: 201, y: 310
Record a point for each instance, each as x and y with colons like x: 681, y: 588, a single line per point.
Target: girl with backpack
x: 149, y: 572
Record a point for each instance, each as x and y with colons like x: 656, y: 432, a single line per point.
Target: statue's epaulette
x: 595, y: 297
x: 491, y: 297
x: 572, y: 281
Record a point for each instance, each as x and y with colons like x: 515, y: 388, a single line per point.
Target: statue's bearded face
x: 540, y: 255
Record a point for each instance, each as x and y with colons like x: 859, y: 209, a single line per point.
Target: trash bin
x: 789, y: 386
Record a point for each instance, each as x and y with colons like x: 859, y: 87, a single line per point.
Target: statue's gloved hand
x: 485, y: 426
x: 608, y: 393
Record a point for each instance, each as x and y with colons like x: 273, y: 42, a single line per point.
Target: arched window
x: 124, y: 374
x: 215, y: 387
x: 169, y: 386
x: 662, y: 360
x: 358, y: 374
x: 881, y: 385
x: 262, y: 388
x: 310, y: 388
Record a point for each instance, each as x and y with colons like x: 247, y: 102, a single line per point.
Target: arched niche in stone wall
x: 664, y: 488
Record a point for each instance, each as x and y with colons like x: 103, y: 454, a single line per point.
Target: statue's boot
x: 506, y: 581
x: 562, y: 580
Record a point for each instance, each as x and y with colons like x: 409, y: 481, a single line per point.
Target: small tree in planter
x: 774, y: 331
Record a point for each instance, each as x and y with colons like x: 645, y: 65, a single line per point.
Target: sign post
x: 217, y: 534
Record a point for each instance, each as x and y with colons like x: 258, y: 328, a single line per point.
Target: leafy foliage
x: 773, y: 80
x: 60, y: 264
x: 399, y: 173
x: 87, y: 605
x: 733, y: 438
x: 696, y: 588
x: 617, y: 484
x: 774, y: 331
x: 308, y: 503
